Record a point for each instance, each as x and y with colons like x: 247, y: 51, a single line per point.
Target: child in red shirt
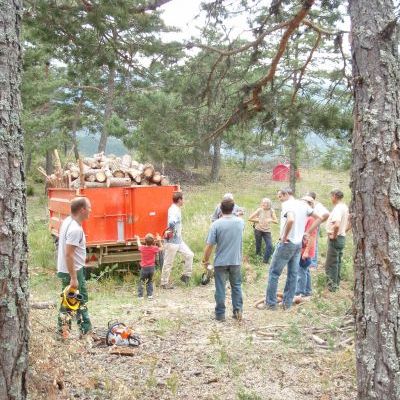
x: 147, y: 263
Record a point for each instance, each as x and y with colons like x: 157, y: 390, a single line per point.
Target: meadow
x: 185, y: 354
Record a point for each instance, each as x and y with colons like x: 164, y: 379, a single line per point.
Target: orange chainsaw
x: 121, y: 335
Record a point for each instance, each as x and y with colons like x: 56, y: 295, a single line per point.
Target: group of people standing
x: 296, y: 248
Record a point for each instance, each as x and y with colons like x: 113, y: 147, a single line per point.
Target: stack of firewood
x: 105, y: 171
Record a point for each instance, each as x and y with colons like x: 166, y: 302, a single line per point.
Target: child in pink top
x: 303, y: 287
x: 148, y: 254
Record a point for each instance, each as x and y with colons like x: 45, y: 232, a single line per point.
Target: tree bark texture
x: 108, y: 110
x: 216, y: 161
x: 75, y: 122
x: 375, y: 183
x: 14, y: 305
x: 293, y: 147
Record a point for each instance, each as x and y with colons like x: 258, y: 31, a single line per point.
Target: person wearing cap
x: 288, y: 251
x: 323, y: 212
x: 304, y: 287
x: 337, y: 225
x: 237, y: 211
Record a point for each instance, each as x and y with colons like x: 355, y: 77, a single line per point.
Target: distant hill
x: 88, y: 143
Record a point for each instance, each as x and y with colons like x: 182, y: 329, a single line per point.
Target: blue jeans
x: 304, y: 277
x: 285, y: 254
x: 259, y: 236
x: 221, y: 273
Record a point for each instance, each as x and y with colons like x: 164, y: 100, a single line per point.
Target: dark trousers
x: 146, y: 276
x: 82, y: 314
x: 333, y: 264
x: 266, y: 236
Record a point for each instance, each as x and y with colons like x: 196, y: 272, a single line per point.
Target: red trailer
x: 118, y: 214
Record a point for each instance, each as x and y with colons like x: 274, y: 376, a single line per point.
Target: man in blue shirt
x: 226, y: 233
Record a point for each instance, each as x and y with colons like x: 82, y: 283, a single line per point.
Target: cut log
x: 91, y: 162
x: 122, y: 350
x: 74, y: 171
x: 43, y: 305
x: 156, y: 177
x: 95, y: 185
x: 138, y: 179
x: 148, y: 171
x: 57, y: 162
x: 101, y: 176
x: 115, y: 182
x: 126, y: 161
x: 133, y: 173
x: 134, y: 164
x: 164, y: 181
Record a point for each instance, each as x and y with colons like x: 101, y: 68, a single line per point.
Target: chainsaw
x: 71, y: 298
x: 121, y: 335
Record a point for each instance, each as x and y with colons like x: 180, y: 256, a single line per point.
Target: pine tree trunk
x: 14, y: 306
x: 49, y: 162
x: 109, y: 109
x: 244, y: 160
x: 75, y: 121
x: 293, y: 159
x: 216, y: 162
x: 375, y: 183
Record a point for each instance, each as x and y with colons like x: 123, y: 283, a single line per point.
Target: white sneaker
x: 150, y: 297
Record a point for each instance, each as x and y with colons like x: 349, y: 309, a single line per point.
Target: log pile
x: 101, y: 171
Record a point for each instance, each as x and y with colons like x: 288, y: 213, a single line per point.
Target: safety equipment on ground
x: 207, y: 275
x: 71, y: 298
x: 121, y: 335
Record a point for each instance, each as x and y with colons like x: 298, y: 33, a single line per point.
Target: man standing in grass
x: 336, y: 227
x: 175, y: 244
x: 226, y: 233
x: 292, y: 229
x: 71, y: 262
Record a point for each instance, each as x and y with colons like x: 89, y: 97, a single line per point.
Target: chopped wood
x: 148, y: 171
x: 318, y: 340
x: 116, y: 182
x: 109, y: 170
x: 126, y: 161
x: 42, y: 305
x: 95, y: 184
x: 100, y: 176
x: 123, y: 351
x: 90, y: 162
x: 156, y: 177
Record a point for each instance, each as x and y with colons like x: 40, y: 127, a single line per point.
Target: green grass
x: 248, y: 187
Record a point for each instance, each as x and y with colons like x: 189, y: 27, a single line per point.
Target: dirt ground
x: 185, y: 354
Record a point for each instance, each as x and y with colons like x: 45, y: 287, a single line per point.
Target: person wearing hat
x: 304, y: 287
x: 288, y: 251
x: 237, y: 211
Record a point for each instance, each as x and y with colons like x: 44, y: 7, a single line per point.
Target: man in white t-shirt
x: 70, y: 264
x: 336, y: 227
x: 292, y: 229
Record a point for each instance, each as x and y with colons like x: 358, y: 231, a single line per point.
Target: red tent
x: 282, y: 173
